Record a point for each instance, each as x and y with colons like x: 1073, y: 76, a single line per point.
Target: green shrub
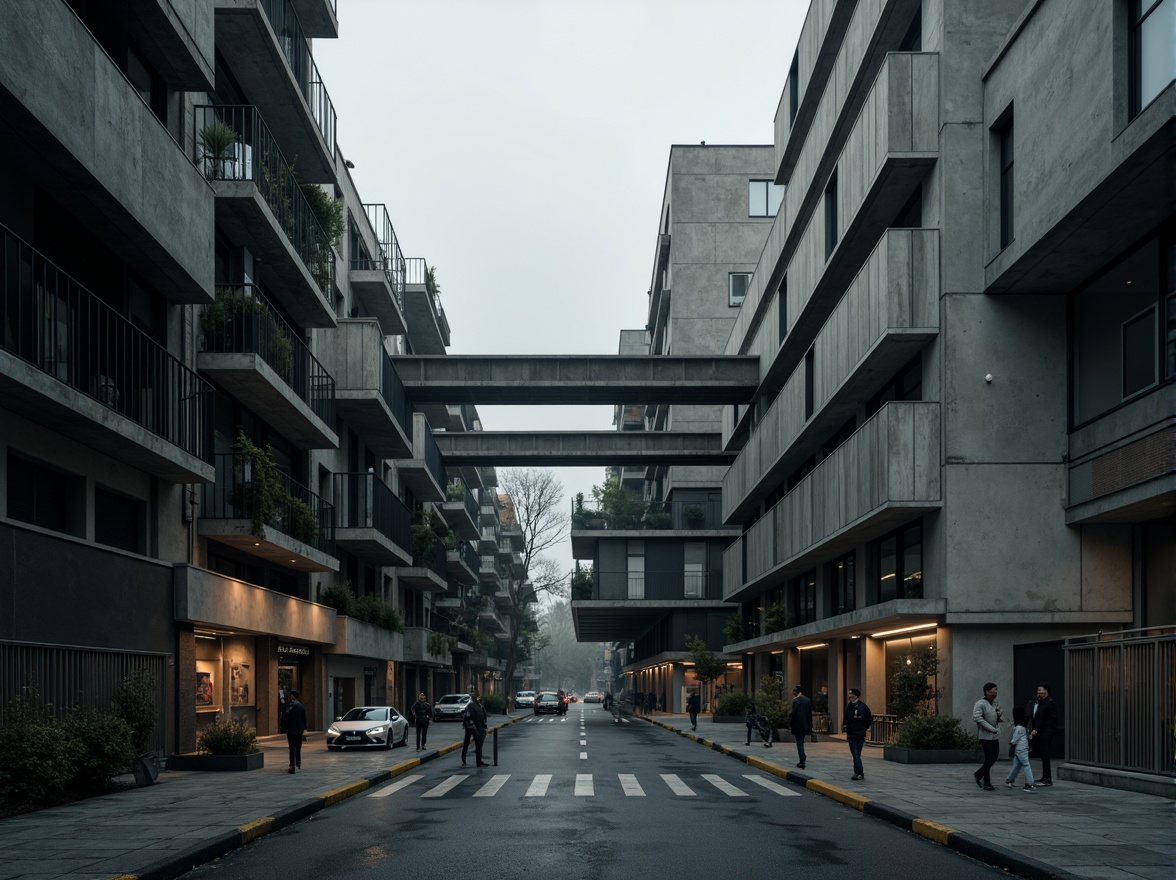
x: 777, y: 618
x: 494, y: 704
x: 659, y: 519
x: 101, y: 746
x: 733, y: 628
x: 231, y: 736
x: 935, y: 732
x: 134, y: 702
x: 339, y: 597
x: 370, y: 609
x: 733, y: 703
x: 424, y: 544
x: 769, y: 702
x: 36, y: 761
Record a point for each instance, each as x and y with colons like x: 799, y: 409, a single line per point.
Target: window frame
x: 1005, y: 167
x: 831, y: 234
x: 731, y: 301
x: 753, y: 197
x: 1137, y: 17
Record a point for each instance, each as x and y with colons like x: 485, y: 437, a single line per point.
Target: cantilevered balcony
x: 250, y: 350
x: 377, y: 271
x: 319, y: 18
x: 461, y: 510
x: 373, y: 523
x: 369, y: 394
x: 428, y: 329
x: 489, y: 572
x: 73, y: 124
x: 70, y: 362
x: 429, y: 573
x: 423, y: 473
x: 644, y: 519
x: 488, y: 540
x: 426, y: 646
x: 214, y: 600
x: 885, y: 474
x: 266, y: 49
x: 463, y: 564
x: 274, y: 518
x: 260, y: 204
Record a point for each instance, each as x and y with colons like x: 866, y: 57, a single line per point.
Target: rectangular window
x: 1139, y: 352
x: 763, y: 198
x: 1006, y: 185
x: 899, y: 564
x: 809, y: 383
x: 782, y: 308
x: 118, y: 521
x: 37, y: 495
x: 841, y: 579
x: 803, y: 599
x: 831, y: 215
x: 1151, y: 56
x: 694, y: 586
x: 737, y: 284
x: 793, y: 88
x: 636, y: 569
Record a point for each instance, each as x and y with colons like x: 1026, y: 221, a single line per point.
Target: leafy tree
x: 135, y: 703
x: 733, y: 628
x: 622, y: 508
x: 562, y: 659
x: 707, y: 664
x: 912, y: 684
x: 582, y: 582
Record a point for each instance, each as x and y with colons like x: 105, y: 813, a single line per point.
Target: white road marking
x: 583, y: 756
x: 395, y: 786
x: 583, y: 742
x: 772, y: 786
x: 584, y: 787
x: 491, y: 788
x: 630, y: 786
x: 539, y: 785
x: 723, y: 785
x: 677, y: 786
x: 445, y: 787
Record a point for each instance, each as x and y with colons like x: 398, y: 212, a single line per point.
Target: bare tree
x: 537, y: 499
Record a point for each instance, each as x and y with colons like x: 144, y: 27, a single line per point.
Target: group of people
x: 473, y: 722
x: 1033, y: 727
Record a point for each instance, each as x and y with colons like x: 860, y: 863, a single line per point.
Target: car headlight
x: 375, y: 731
x: 332, y: 731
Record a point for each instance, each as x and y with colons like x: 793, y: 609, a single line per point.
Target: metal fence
x: 1119, y: 707
x: 296, y: 48
x: 363, y: 501
x: 883, y: 730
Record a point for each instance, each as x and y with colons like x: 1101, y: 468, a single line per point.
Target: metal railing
x: 432, y: 457
x: 362, y: 501
x: 289, y: 507
x: 251, y: 153
x: 469, y: 556
x: 668, y: 584
x: 389, y: 259
x: 467, y: 497
x: 395, y: 395
x: 296, y: 48
x: 54, y: 323
x: 438, y: 562
x: 1119, y: 700
x: 637, y: 515
x: 242, y: 320
x: 883, y: 730
x: 417, y: 272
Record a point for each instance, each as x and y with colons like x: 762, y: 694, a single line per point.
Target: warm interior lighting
x: 810, y: 647
x: 905, y: 629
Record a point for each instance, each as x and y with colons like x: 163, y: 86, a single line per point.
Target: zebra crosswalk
x: 585, y: 785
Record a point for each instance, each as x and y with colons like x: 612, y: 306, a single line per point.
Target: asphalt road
x: 580, y: 796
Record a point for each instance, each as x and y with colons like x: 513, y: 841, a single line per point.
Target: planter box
x: 931, y: 756
x: 216, y: 762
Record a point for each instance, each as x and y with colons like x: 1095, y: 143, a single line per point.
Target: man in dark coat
x: 801, y: 723
x: 294, y: 726
x: 692, y: 707
x: 421, y: 713
x: 1043, y: 724
x: 858, y: 719
x: 474, y: 720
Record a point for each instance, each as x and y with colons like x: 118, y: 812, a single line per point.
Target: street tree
x: 708, y: 665
x: 536, y: 497
x: 563, y: 660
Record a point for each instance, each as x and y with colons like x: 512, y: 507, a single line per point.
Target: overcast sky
x: 521, y: 149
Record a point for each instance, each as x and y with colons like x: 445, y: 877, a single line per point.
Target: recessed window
x: 1152, y: 59
x: 810, y: 368
x: 636, y: 569
x: 763, y: 198
x: 695, y: 570
x: 841, y: 583
x: 782, y: 308
x: 737, y: 284
x: 793, y: 88
x: 831, y: 216
x: 802, y: 599
x: 1006, y: 184
x: 899, y: 563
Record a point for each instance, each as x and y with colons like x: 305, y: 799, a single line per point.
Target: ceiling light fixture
x: 905, y: 629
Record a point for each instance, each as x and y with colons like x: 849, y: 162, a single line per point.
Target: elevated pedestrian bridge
x: 580, y: 448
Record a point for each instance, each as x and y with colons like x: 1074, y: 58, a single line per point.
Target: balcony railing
x: 635, y: 515
x: 417, y: 272
x: 432, y: 454
x: 364, y: 502
x: 458, y: 490
x: 660, y: 584
x: 232, y: 142
x: 289, y: 507
x: 395, y: 395
x: 243, y: 320
x: 469, y: 556
x: 58, y: 326
x: 389, y: 260
x: 436, y: 562
x: 295, y: 47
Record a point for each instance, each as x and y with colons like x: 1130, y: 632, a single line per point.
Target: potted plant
x: 776, y: 618
x: 694, y: 515
x: 933, y: 739
x: 218, y: 148
x: 228, y: 744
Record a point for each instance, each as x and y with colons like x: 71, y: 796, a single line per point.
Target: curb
x: 180, y: 863
x: 966, y: 844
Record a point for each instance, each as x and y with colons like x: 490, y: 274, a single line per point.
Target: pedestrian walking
x: 638, y: 702
x: 693, y: 705
x: 421, y: 713
x: 988, y: 717
x: 650, y: 703
x: 1042, y: 724
x: 473, y: 719
x: 801, y: 723
x: 294, y: 726
x: 1019, y: 750
x: 858, y: 719
x: 758, y: 725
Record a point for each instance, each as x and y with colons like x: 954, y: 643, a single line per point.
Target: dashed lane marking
x: 630, y: 786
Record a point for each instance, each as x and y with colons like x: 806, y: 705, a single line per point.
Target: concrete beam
x: 576, y: 448
x: 578, y: 379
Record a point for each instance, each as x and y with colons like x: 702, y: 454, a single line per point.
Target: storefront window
x: 911, y: 679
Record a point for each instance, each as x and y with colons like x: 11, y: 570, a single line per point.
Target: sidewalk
x: 187, y: 819
x: 1066, y: 830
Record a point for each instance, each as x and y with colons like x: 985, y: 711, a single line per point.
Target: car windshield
x: 366, y: 713
x: 450, y: 699
x: 547, y: 698
x: 526, y: 693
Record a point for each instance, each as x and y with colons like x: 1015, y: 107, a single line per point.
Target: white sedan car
x: 594, y: 697
x: 368, y: 727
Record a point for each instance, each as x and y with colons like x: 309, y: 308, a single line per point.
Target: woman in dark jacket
x: 421, y: 713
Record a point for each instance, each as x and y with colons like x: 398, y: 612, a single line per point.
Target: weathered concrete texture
x: 176, y: 36
x: 579, y: 449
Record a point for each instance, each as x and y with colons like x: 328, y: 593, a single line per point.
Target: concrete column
x: 266, y: 683
x: 185, y: 688
x: 874, y: 675
x: 837, y: 693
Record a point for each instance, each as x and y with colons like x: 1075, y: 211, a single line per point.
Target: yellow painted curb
x: 404, y: 766
x: 343, y: 792
x: 932, y: 830
x: 250, y: 831
x: 766, y: 766
x: 838, y: 794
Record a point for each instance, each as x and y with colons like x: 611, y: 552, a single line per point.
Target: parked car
x: 450, y: 707
x: 548, y: 703
x: 368, y: 727
x: 594, y: 697
x: 525, y: 700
